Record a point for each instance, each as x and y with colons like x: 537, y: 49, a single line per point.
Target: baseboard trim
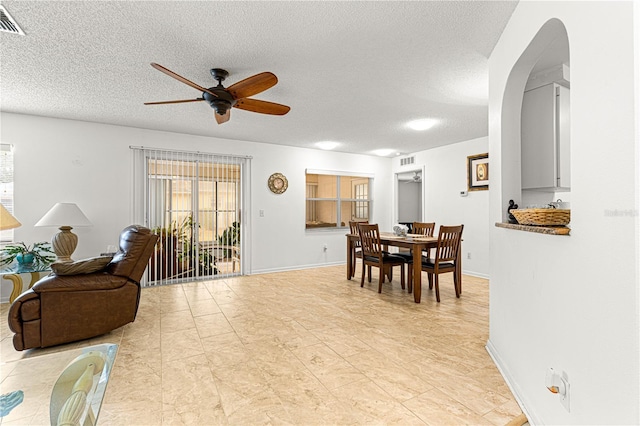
x: 300, y: 267
x: 513, y: 387
x: 294, y: 268
x: 475, y: 274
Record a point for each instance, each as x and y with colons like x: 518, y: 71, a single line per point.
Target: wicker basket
x: 542, y: 217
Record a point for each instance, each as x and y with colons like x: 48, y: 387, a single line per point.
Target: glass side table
x: 19, y: 275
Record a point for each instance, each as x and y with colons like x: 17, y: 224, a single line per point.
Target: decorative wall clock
x: 278, y: 183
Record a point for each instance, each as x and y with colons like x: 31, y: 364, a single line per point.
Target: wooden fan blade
x: 180, y: 78
x: 252, y: 85
x: 263, y: 107
x: 174, y: 102
x: 222, y: 118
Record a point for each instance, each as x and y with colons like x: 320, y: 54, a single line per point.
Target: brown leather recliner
x: 65, y: 308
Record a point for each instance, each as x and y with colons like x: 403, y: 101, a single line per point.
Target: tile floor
x: 301, y: 347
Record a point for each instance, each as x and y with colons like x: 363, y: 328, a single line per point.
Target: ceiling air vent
x: 7, y: 23
x: 407, y: 160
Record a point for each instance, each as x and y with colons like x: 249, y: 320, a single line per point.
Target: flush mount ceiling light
x: 327, y: 145
x: 384, y: 152
x: 422, y: 124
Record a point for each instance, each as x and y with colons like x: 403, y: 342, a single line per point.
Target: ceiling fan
x: 237, y: 95
x: 416, y: 178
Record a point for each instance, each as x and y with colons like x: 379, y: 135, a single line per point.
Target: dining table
x: 416, y: 243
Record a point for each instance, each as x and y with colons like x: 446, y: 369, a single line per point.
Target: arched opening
x: 548, y: 50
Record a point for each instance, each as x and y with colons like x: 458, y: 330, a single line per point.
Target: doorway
x: 409, y: 190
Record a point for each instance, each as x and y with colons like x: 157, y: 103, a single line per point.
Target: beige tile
x: 201, y: 307
x: 134, y: 379
x: 239, y: 382
x: 186, y: 383
x: 371, y: 404
x: 342, y: 341
x: 224, y: 297
x: 331, y: 369
x: 504, y: 414
x: 436, y: 408
x: 490, y: 378
x: 176, y: 321
x: 37, y: 391
x: 397, y: 379
x: 8, y: 353
x: 290, y: 348
x: 180, y: 344
x: 172, y: 299
x: 195, y: 291
x: 473, y: 395
x: 133, y: 412
x: 142, y: 365
x: 277, y: 363
x: 261, y: 408
x: 210, y: 325
x: 309, y: 402
x: 137, y: 339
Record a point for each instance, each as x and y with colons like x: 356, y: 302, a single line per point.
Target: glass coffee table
x: 57, y: 388
x: 20, y: 275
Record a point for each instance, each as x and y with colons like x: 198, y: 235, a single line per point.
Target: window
x: 6, y: 186
x: 333, y: 199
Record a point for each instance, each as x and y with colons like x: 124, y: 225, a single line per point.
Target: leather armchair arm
x: 31, y: 302
x: 84, y: 282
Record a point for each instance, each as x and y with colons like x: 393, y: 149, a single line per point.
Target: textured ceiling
x: 352, y: 72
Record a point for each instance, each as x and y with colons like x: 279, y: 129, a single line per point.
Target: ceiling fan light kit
x: 223, y: 101
x: 237, y: 95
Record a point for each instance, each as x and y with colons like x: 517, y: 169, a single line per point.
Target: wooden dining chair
x: 426, y: 229
x: 446, y: 256
x: 373, y: 255
x: 420, y: 228
x: 356, y: 251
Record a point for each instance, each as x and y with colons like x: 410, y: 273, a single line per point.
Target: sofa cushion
x: 84, y: 266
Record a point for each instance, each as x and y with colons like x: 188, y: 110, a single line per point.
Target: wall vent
x: 7, y: 23
x: 407, y: 160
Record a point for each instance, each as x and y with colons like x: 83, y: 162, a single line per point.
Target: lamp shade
x: 7, y: 221
x: 64, y: 214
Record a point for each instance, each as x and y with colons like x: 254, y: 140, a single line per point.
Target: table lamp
x: 64, y: 215
x: 7, y: 221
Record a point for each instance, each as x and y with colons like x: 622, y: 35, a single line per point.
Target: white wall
x: 90, y: 164
x: 570, y: 303
x: 444, y: 176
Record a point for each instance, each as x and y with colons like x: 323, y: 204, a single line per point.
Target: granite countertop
x: 550, y: 230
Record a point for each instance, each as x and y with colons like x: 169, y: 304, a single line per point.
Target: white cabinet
x: 546, y: 156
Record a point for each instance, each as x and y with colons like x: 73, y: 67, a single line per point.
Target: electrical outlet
x: 261, y: 212
x: 468, y: 255
x: 558, y: 384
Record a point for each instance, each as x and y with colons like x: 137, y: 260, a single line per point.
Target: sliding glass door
x: 193, y: 202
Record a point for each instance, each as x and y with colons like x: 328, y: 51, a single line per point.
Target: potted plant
x: 38, y: 254
x: 177, y: 255
x: 230, y: 237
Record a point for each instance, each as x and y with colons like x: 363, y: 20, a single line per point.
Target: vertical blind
x: 193, y: 202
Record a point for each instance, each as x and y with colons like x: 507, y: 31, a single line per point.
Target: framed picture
x: 478, y: 172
